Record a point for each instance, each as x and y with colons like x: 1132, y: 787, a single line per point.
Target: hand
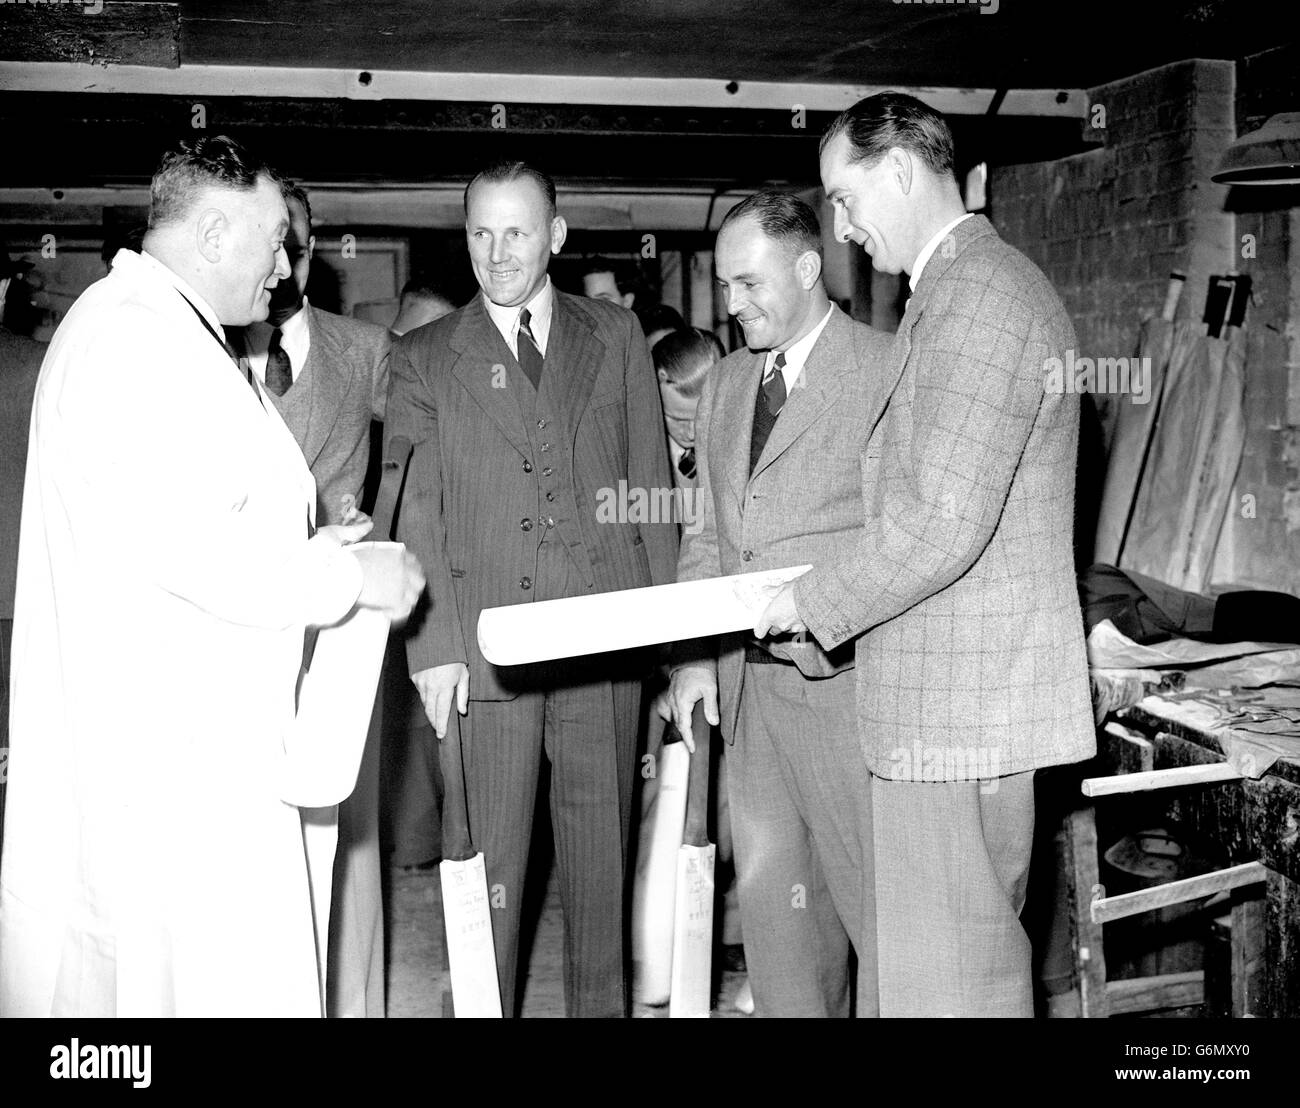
x: 688, y: 687
x: 780, y: 615
x: 437, y: 686
x: 391, y: 579
x: 345, y: 534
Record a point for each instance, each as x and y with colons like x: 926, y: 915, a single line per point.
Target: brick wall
x: 1108, y: 226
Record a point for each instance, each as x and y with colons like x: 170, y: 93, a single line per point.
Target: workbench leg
x: 1085, y: 879
x: 1282, y: 948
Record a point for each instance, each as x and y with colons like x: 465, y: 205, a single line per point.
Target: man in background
x: 327, y: 376
x: 151, y: 867
x: 603, y: 280
x: 421, y: 302
x: 522, y: 407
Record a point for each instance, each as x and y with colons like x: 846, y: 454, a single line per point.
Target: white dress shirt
x: 930, y: 247
x: 295, y: 340
x: 797, y: 354
x: 541, y: 307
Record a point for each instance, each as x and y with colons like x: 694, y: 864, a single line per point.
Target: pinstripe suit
x: 970, y: 657
x: 800, y: 796
x: 500, y: 505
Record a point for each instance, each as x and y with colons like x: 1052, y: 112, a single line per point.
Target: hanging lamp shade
x: 1269, y: 156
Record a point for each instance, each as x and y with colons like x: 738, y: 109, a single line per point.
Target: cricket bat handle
x: 695, y: 832
x: 392, y: 470
x: 457, y: 845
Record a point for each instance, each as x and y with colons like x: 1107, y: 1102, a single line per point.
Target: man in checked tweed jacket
x: 971, y: 672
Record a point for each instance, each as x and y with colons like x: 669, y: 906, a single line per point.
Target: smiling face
x: 250, y: 255
x: 299, y: 244
x: 868, y: 204
x: 512, y: 236
x: 767, y: 289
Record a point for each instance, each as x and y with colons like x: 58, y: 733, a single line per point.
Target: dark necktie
x: 774, y: 387
x: 686, y: 463
x: 530, y: 356
x: 279, y: 370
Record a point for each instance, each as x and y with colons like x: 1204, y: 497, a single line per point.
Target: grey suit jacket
x: 348, y: 363
x: 803, y: 502
x: 962, y: 585
x: 476, y: 474
x: 20, y: 364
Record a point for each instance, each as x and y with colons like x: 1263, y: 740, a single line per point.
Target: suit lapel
x: 815, y: 389
x: 574, y: 356
x: 331, y: 374
x: 483, y: 367
x: 739, y: 399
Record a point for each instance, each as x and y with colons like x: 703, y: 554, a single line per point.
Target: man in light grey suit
x: 960, y: 592
x: 777, y: 436
x: 328, y: 377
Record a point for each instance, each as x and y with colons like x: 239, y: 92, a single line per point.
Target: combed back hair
x: 291, y: 190
x: 685, y: 357
x: 425, y: 288
x: 784, y: 218
x: 875, y: 125
x: 658, y: 317
x: 504, y: 171
x: 195, y: 165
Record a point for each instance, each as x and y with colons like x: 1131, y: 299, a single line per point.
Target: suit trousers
x: 585, y: 722
x: 802, y: 823
x: 952, y: 866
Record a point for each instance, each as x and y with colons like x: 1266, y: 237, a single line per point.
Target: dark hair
x: 504, y: 171
x: 658, y: 317
x: 193, y: 165
x: 291, y: 190
x: 425, y: 288
x: 685, y: 356
x: 122, y: 236
x: 784, y: 218
x: 889, y: 119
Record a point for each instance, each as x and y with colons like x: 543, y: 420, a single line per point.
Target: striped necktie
x: 530, y: 355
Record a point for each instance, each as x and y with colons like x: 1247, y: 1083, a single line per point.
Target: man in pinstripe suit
x: 526, y: 408
x: 960, y: 591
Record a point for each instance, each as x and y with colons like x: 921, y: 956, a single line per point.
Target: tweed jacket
x: 961, y: 586
x: 803, y: 502
x: 494, y: 460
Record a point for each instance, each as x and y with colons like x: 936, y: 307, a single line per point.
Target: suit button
x: 746, y: 555
x: 546, y: 472
x: 525, y: 525
x: 525, y: 583
x: 541, y: 425
x: 544, y: 447
x: 550, y: 497
x: 528, y: 466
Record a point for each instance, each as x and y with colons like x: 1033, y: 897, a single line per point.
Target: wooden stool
x: 1091, y: 908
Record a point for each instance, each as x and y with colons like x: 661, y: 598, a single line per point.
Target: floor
x: 417, y: 974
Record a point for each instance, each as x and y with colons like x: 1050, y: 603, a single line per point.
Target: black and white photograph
x: 619, y: 509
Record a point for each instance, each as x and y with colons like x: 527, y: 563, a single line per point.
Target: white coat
x: 165, y: 579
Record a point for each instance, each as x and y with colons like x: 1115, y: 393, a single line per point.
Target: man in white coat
x: 150, y: 866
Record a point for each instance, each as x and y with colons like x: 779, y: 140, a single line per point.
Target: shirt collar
x: 182, y: 286
x: 930, y: 247
x: 540, y: 309
x: 798, y: 353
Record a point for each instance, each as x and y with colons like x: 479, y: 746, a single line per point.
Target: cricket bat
x: 466, y: 909
x: 517, y: 634
x: 692, y: 981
